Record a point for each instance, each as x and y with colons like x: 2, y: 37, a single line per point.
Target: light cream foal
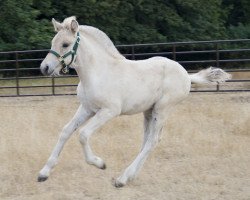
x: 111, y: 85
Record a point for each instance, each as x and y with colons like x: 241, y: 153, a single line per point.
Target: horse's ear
x: 57, y: 26
x: 74, y: 26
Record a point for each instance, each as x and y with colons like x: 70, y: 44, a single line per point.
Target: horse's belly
x: 141, y: 91
x: 139, y: 103
x: 136, y: 109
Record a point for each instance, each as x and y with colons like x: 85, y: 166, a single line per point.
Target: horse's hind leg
x: 154, y: 127
x: 147, y: 116
x: 80, y: 117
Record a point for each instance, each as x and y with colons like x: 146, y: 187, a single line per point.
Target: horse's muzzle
x: 47, y: 68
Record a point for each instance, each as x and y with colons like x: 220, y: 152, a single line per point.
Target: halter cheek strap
x: 72, y: 52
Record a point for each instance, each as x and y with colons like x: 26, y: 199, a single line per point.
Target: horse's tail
x: 210, y: 75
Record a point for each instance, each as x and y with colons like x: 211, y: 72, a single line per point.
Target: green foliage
x: 238, y: 23
x: 19, y: 29
x: 26, y: 24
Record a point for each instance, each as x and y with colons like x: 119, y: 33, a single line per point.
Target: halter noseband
x: 72, y: 52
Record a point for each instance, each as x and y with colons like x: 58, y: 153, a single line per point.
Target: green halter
x: 72, y: 52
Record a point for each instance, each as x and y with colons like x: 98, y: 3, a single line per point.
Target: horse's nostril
x: 46, y: 69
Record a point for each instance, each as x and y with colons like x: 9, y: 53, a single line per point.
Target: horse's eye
x: 65, y: 45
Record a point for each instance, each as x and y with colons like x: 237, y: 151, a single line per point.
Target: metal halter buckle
x: 60, y: 58
x: 65, y: 70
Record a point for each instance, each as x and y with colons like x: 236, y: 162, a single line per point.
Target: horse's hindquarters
x: 153, y: 80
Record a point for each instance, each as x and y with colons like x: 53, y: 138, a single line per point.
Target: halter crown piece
x: 72, y: 52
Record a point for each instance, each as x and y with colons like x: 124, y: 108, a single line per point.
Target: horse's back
x: 175, y: 77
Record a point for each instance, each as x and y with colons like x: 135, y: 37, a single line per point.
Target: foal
x: 110, y: 85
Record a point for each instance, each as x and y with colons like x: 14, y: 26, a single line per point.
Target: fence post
x: 174, y: 52
x: 218, y: 87
x: 217, y: 55
x: 53, y: 85
x: 17, y: 75
x: 133, y: 52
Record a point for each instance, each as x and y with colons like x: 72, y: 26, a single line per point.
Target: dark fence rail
x: 20, y: 74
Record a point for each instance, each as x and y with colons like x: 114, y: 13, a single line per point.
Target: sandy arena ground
x: 204, y: 152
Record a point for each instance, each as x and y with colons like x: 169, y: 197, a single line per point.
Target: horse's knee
x: 83, y: 138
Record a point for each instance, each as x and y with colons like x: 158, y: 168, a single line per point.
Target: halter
x: 72, y: 52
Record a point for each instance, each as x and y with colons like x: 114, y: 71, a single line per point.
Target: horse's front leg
x: 100, y: 118
x: 81, y: 116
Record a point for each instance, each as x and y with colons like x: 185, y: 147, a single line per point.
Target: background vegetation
x: 26, y: 24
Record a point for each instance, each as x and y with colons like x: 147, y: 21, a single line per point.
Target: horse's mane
x: 101, y: 38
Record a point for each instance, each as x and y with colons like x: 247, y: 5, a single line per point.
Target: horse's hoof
x: 117, y: 183
x: 103, y: 167
x: 42, y: 178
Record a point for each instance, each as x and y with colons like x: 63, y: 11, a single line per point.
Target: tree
x: 238, y: 22
x: 26, y: 24
x: 19, y: 27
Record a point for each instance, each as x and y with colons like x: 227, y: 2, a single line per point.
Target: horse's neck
x: 102, y: 40
x: 92, y: 59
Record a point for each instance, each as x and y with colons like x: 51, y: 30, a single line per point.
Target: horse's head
x: 63, y: 47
